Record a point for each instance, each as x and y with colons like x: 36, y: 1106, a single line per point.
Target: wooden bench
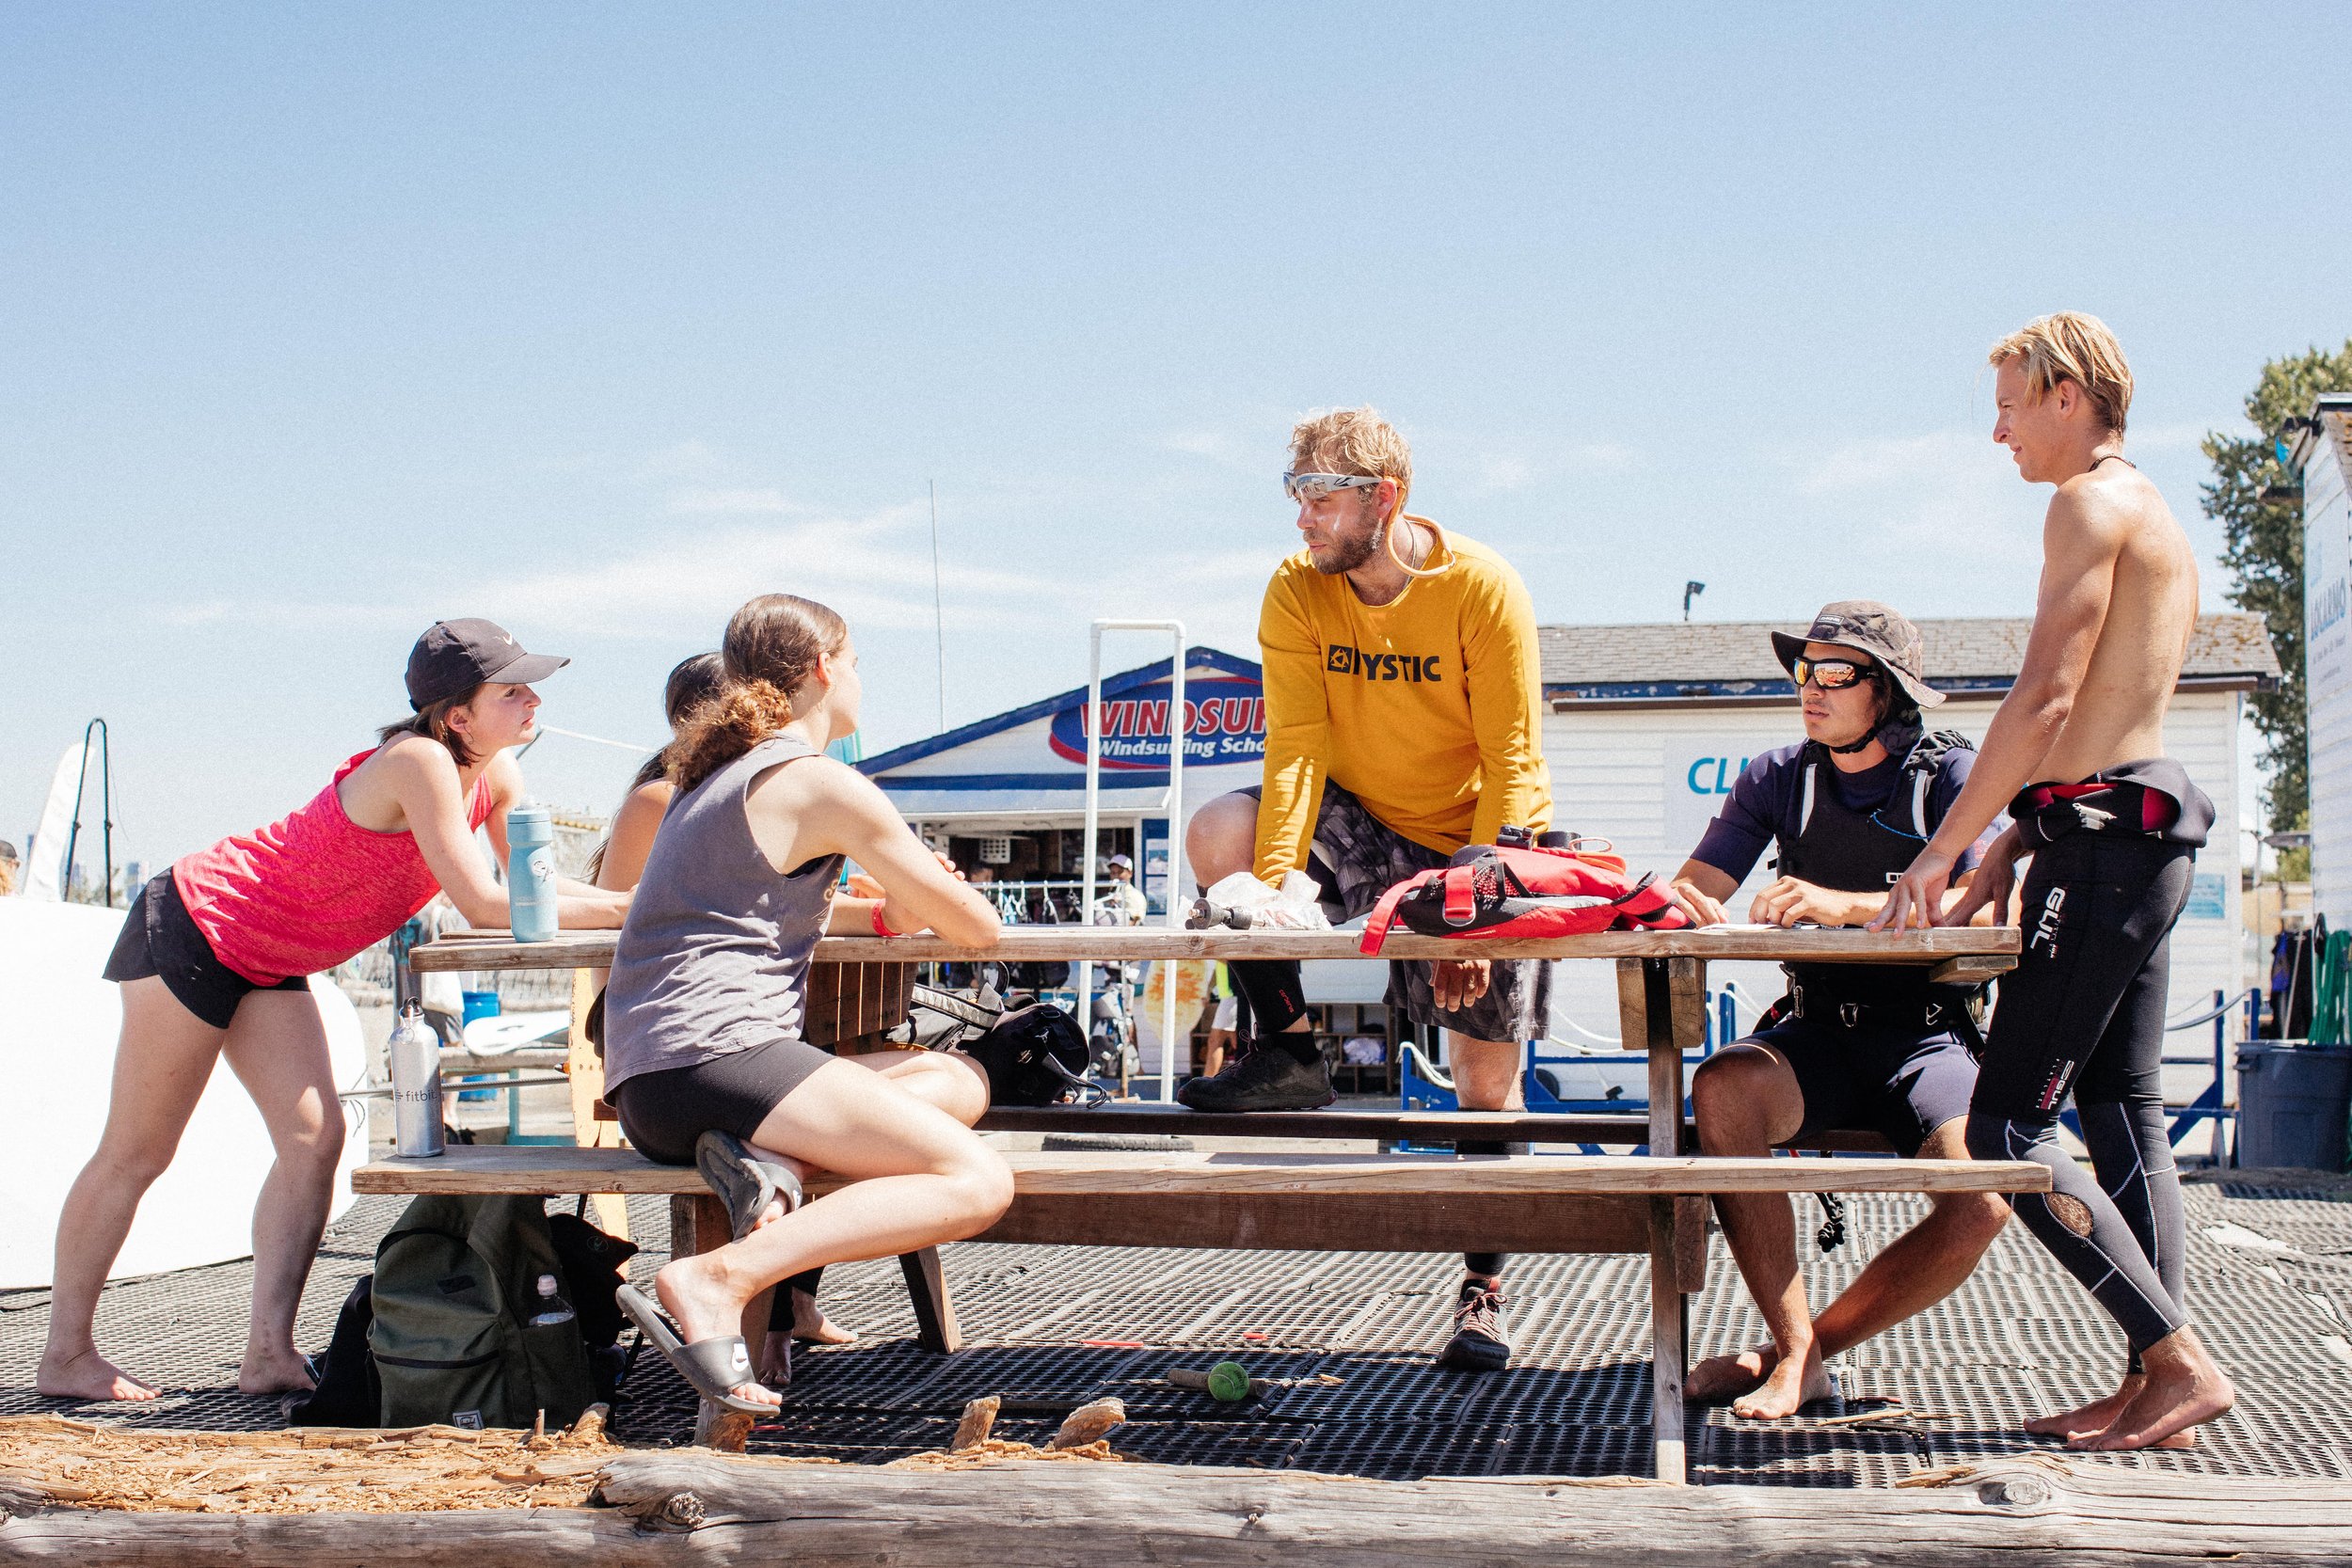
x: 1649, y: 1204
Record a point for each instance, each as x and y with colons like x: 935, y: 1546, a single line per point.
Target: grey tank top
x: 715, y: 952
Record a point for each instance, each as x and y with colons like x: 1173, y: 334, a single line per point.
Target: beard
x: 1345, y: 555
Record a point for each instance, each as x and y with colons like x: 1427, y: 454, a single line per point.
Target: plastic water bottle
x: 531, y: 873
x: 416, y: 1052
x: 554, y: 1308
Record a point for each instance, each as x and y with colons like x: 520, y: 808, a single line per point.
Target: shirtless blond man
x: 2077, y: 752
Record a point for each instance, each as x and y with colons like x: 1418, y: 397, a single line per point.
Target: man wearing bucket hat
x: 1851, y: 1044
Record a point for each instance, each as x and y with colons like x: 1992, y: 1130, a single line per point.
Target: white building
x: 2323, y: 453
x: 1650, y: 725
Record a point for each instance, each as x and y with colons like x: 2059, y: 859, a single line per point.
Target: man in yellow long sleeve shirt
x: 1404, y: 720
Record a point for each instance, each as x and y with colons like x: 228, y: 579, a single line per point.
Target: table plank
x: 1996, y: 945
x: 1543, y: 1127
x: 558, y: 1170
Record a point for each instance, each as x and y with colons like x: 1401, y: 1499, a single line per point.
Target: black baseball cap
x: 454, y: 657
x: 1869, y: 627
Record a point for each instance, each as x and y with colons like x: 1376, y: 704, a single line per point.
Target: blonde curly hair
x: 1353, y: 441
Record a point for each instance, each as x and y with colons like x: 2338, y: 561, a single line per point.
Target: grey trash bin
x: 2292, y: 1099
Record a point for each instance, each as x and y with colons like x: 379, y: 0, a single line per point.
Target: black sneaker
x: 1268, y: 1078
x: 1480, y: 1343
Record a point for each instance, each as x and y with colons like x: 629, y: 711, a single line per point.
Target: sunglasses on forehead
x: 1313, y: 488
x: 1831, y: 674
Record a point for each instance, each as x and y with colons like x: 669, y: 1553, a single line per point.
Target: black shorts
x: 161, y: 937
x: 2083, y: 1011
x: 1357, y: 857
x: 1899, y: 1080
x: 664, y: 1112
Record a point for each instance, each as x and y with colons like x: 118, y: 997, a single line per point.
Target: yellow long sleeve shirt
x: 1429, y: 708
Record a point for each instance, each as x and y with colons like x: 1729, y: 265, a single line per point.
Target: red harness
x: 1499, y: 891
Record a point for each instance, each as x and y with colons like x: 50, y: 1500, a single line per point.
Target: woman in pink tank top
x: 214, y: 961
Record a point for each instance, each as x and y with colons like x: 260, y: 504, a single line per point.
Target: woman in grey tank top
x: 703, y: 1053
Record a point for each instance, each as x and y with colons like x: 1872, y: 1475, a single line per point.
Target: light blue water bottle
x: 531, y: 873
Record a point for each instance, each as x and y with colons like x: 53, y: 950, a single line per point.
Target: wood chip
x: 1088, y: 1422
x: 979, y: 1417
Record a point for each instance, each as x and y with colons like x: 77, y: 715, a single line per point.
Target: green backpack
x: 456, y: 1286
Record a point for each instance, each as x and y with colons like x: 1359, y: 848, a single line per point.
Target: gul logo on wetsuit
x: 2047, y: 929
x: 1341, y: 660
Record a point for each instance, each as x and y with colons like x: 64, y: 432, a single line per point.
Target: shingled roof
x: 1733, y: 660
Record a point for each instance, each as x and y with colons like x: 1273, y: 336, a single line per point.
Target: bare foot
x: 2184, y: 1388
x: 776, y: 1358
x: 2087, y: 1420
x: 812, y: 1327
x: 279, y: 1372
x: 699, y: 1301
x: 89, y: 1376
x: 1792, y: 1385
x: 1720, y: 1377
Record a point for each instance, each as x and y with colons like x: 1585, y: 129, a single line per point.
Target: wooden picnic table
x: 1661, y: 975
x: 1661, y: 1005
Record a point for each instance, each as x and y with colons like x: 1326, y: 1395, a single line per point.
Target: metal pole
x: 1094, y: 726
x: 1178, y: 734
x: 1173, y: 803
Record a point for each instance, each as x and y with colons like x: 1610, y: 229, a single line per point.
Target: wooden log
x: 665, y: 1509
x: 555, y: 1169
x: 1032, y: 944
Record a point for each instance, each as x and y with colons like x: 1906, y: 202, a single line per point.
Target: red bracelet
x: 881, y: 929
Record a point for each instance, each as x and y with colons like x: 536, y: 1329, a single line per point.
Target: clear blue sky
x: 319, y: 323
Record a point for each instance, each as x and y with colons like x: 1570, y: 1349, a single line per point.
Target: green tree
x: 2262, y: 547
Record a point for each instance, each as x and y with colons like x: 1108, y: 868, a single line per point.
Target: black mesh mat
x: 1348, y: 1337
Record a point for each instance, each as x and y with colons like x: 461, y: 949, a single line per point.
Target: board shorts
x: 1357, y: 857
x: 1901, y: 1079
x: 663, y: 1112
x: 160, y: 938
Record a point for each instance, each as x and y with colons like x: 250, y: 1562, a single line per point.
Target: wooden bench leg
x: 935, y: 1326
x: 1666, y: 1350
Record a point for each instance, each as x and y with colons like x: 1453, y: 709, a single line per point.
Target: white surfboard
x: 58, y: 1024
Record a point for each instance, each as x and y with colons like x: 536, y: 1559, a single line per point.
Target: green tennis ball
x: 1229, y: 1381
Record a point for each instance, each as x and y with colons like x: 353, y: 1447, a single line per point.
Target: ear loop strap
x: 1411, y: 571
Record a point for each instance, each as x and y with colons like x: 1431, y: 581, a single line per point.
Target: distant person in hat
x: 9, y: 865
x: 1123, y: 900
x: 1403, y: 721
x: 2076, y: 755
x: 214, y: 961
x: 1850, y: 1045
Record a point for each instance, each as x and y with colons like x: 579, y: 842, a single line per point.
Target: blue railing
x: 1421, y: 1091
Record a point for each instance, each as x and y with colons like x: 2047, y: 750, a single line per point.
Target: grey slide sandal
x: 745, y: 1183
x: 714, y: 1365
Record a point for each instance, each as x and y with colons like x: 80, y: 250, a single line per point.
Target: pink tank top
x: 310, y: 891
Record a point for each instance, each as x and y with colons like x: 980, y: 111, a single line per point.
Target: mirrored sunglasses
x: 1313, y: 488
x: 1831, y: 674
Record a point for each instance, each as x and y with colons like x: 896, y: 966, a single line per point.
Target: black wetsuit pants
x: 2083, y: 1012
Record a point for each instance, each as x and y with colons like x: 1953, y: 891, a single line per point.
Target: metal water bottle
x: 531, y: 873
x: 416, y: 1052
